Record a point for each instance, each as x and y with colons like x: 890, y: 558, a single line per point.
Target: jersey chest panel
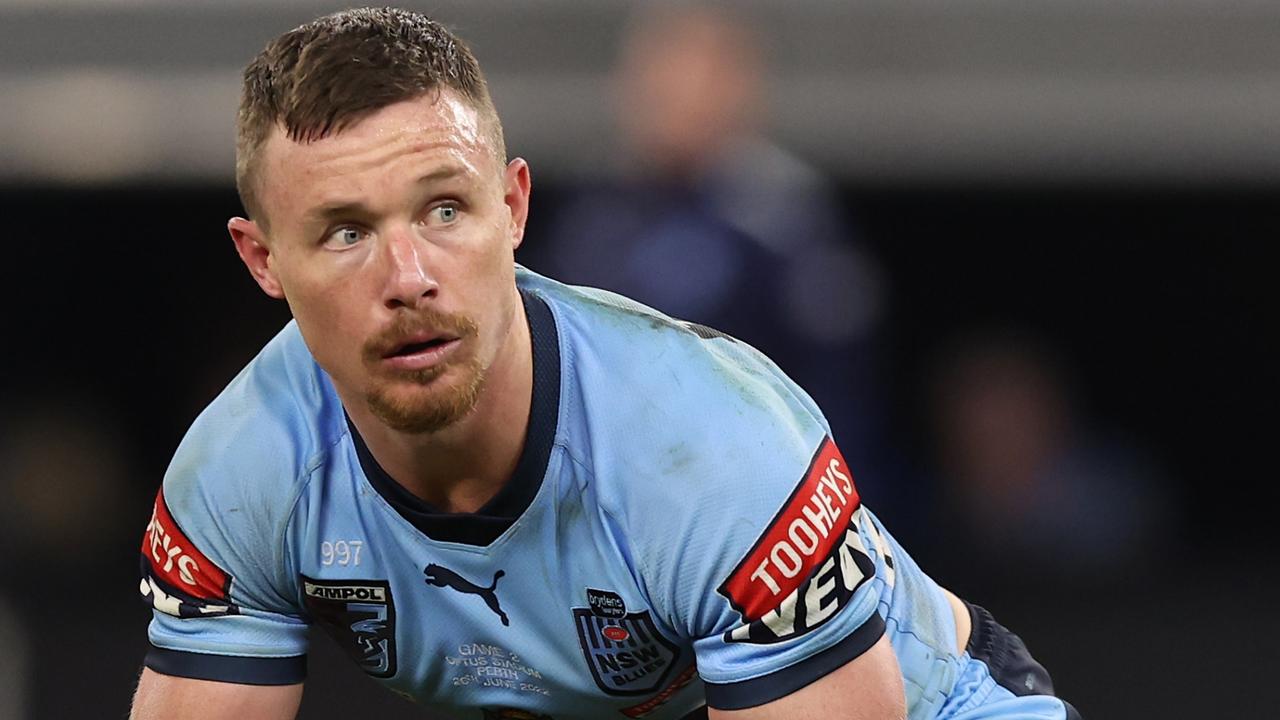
x: 547, y: 620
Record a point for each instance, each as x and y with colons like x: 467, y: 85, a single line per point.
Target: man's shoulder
x: 617, y: 348
x: 687, y: 410
x: 271, y: 424
x: 609, y: 339
x: 698, y: 446
x: 232, y: 487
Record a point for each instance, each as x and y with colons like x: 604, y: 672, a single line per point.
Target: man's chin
x: 418, y: 407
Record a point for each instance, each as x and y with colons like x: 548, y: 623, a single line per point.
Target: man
x: 504, y: 496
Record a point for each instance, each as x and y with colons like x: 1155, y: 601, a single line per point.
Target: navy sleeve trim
x: 228, y: 668
x: 760, y: 690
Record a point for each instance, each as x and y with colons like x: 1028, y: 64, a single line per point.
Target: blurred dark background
x: 1026, y: 267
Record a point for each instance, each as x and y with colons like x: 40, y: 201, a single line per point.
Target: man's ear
x: 251, y: 243
x: 516, y: 196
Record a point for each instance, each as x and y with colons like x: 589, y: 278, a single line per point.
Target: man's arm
x: 869, y: 687
x: 166, y: 697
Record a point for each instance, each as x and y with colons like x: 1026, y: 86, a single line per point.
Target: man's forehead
x: 435, y: 118
x: 437, y: 126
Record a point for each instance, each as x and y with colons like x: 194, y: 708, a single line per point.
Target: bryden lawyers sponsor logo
x: 605, y: 603
x: 177, y: 578
x: 809, y: 560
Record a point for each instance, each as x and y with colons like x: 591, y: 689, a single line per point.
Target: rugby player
x: 501, y: 495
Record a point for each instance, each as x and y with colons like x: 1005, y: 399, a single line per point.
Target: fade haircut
x: 332, y: 72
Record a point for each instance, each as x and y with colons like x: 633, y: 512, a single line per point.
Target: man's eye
x: 447, y: 213
x: 344, y: 237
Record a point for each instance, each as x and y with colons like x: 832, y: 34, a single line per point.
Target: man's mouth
x: 418, y: 346
x: 420, y: 353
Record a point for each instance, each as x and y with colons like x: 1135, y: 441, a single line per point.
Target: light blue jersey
x: 680, y: 531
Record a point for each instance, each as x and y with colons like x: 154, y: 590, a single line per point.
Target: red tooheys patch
x: 174, y: 559
x: 799, y: 539
x: 615, y: 633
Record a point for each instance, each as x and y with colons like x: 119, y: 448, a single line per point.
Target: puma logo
x: 441, y: 576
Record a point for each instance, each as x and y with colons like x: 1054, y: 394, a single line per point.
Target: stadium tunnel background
x: 1128, y: 243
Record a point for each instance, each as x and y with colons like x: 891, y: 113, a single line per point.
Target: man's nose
x: 411, y: 279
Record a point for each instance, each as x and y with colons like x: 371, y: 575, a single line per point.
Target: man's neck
x: 462, y: 467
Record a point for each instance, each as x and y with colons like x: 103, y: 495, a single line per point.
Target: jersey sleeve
x: 214, y: 565
x: 779, y: 576
x: 790, y: 599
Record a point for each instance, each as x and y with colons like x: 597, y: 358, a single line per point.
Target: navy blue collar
x: 486, y: 524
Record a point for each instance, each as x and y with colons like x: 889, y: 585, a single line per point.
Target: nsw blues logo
x: 361, y: 616
x: 626, y: 653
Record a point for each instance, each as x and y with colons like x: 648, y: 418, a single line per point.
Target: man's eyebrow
x: 340, y: 209
x: 332, y: 211
x: 445, y: 173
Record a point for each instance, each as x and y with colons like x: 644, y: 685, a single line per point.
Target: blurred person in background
x: 708, y: 219
x: 1027, y: 478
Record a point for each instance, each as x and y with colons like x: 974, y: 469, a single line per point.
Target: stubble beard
x: 424, y: 401
x: 429, y: 410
